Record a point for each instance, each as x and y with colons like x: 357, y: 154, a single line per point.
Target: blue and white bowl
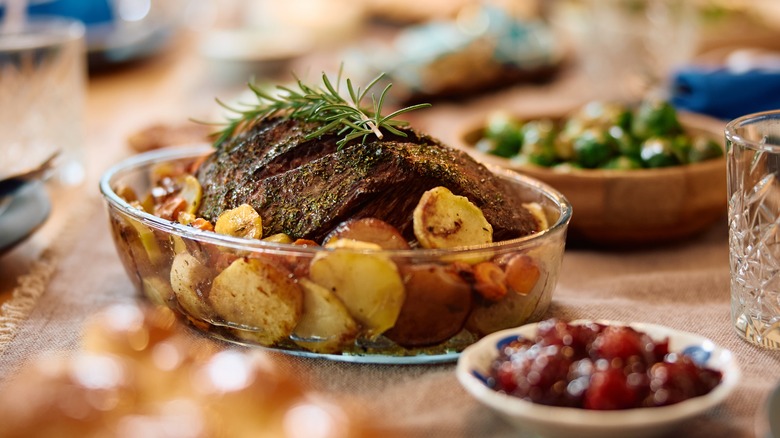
x: 552, y: 421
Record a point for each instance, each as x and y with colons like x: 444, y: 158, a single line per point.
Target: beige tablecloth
x: 69, y: 270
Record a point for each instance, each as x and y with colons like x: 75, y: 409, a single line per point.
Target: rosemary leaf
x: 323, y: 104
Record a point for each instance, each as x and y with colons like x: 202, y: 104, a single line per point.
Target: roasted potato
x: 490, y: 281
x: 242, y: 221
x: 513, y: 310
x: 260, y: 297
x: 445, y: 220
x: 154, y: 248
x: 370, y: 230
x: 368, y: 284
x: 157, y: 290
x: 326, y: 325
x: 191, y: 193
x: 436, y: 306
x: 538, y: 213
x: 191, y: 281
x: 521, y: 274
x: 278, y: 238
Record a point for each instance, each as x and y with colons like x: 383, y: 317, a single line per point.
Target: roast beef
x: 305, y: 188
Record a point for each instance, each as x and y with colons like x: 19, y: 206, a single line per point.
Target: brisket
x: 305, y: 188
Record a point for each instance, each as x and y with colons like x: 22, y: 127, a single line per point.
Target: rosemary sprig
x: 324, y: 104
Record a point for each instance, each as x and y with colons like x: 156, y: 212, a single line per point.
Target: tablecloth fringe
x: 25, y: 296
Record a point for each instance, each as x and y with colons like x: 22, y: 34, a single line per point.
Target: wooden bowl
x: 633, y: 207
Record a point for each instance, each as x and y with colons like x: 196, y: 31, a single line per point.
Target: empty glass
x: 753, y: 163
x: 42, y: 88
x: 628, y: 48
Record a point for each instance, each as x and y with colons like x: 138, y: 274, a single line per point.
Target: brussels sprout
x: 681, y: 147
x: 602, y: 135
x: 657, y: 152
x: 626, y: 143
x: 704, y: 149
x: 655, y: 118
x: 542, y: 130
x: 563, y: 148
x: 540, y: 154
x: 503, y: 135
x: 593, y: 148
x: 624, y: 120
x: 573, y: 127
x: 599, y: 114
x: 564, y: 141
x: 539, y: 137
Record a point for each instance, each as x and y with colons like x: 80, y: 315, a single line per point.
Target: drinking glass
x: 628, y: 48
x: 42, y: 89
x: 753, y: 178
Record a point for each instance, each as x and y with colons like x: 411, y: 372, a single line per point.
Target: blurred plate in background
x: 118, y: 31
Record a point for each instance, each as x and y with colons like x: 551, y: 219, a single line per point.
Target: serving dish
x: 551, y: 421
x: 631, y: 207
x: 186, y: 269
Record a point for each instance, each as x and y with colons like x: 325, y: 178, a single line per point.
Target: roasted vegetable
x: 444, y: 220
x: 191, y: 281
x: 609, y: 136
x: 325, y: 326
x: 242, y: 221
x: 436, y: 306
x: 368, y: 284
x: 191, y: 193
x: 259, y: 297
x: 371, y: 230
x: 503, y: 135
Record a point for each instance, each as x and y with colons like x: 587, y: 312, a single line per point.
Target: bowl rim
x: 555, y: 416
x: 192, y: 151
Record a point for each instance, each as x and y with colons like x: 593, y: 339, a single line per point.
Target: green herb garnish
x: 323, y: 104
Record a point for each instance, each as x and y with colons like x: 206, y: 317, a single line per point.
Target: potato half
x: 242, y: 221
x: 445, y: 220
x: 191, y: 281
x: 259, y: 296
x: 368, y: 284
x: 514, y: 310
x: 326, y: 325
x: 369, y: 229
x: 437, y: 303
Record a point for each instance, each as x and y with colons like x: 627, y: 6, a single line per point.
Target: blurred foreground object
x: 139, y: 373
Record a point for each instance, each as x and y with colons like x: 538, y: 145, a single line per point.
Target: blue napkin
x: 87, y: 11
x: 725, y: 94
